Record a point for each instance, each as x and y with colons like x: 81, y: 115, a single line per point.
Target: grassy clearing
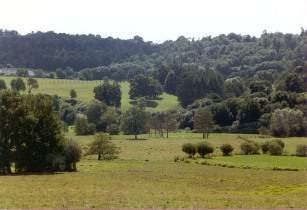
x: 85, y: 93
x: 145, y: 176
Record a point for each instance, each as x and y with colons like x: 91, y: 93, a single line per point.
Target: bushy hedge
x: 301, y: 150
x: 190, y: 149
x: 250, y: 148
x: 226, y: 149
x: 274, y: 147
x: 204, y: 148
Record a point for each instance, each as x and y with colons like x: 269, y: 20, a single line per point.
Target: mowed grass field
x: 85, y: 92
x: 146, y: 176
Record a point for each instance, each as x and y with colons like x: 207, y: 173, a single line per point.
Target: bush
x: 265, y: 147
x: 72, y: 155
x: 275, y: 148
x: 301, y: 150
x: 82, y: 127
x: 204, y: 148
x: 226, y: 149
x: 113, y: 129
x: 280, y: 142
x: 250, y: 148
x: 189, y: 148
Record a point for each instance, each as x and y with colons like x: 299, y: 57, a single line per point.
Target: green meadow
x: 85, y: 92
x: 146, y: 176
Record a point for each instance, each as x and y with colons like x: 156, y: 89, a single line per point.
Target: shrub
x: 72, y: 155
x: 204, y: 148
x: 226, y: 149
x: 265, y: 147
x: 301, y: 150
x: 189, y: 148
x: 275, y: 148
x: 280, y: 142
x: 250, y: 148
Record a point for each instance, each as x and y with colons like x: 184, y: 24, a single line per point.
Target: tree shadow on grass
x: 138, y: 139
x: 31, y: 174
x: 151, y: 104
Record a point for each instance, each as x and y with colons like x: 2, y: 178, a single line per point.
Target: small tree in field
x: 189, y: 148
x: 102, y: 146
x: 203, y: 121
x: 204, y: 148
x: 226, y: 149
x: 134, y: 121
x: 18, y: 84
x: 73, y: 93
x: 32, y: 83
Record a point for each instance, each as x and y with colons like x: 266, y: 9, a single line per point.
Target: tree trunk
x: 135, y: 136
x: 167, y: 133
x: 203, y: 135
x: 99, y: 156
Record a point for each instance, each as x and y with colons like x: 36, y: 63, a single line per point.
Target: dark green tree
x: 18, y: 84
x: 143, y: 86
x: 109, y: 93
x: 73, y: 93
x: 2, y: 84
x: 134, y: 121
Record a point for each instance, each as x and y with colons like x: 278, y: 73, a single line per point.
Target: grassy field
x: 85, y: 93
x: 145, y: 176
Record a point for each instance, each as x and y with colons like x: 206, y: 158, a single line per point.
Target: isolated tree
x: 61, y: 74
x: 134, y: 121
x: 18, y: 84
x: 109, y: 93
x: 32, y: 83
x: 203, y: 121
x: 73, y: 93
x: 2, y: 84
x: 103, y: 147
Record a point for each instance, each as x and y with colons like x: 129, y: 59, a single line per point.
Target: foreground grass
x: 145, y: 176
x: 85, y: 92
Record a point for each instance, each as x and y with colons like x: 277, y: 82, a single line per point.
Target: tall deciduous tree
x: 109, y: 93
x: 203, y: 121
x: 143, y: 86
x: 169, y: 123
x: 94, y: 111
x: 134, y: 121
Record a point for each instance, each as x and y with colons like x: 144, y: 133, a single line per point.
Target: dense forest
x: 242, y: 80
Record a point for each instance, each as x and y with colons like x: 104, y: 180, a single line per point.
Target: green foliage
x: 189, y: 148
x: 134, y: 121
x: 30, y: 132
x: 95, y: 110
x: 226, y: 149
x: 2, y: 84
x: 103, y: 147
x: 82, y: 127
x: 109, y: 93
x: 143, y: 86
x: 203, y: 121
x: 73, y: 93
x: 294, y: 83
x: 265, y: 147
x: 275, y: 148
x: 18, y: 84
x: 32, y: 83
x: 279, y: 142
x: 113, y: 129
x: 287, y: 122
x: 250, y: 148
x: 301, y: 150
x: 204, y: 148
x: 72, y: 154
